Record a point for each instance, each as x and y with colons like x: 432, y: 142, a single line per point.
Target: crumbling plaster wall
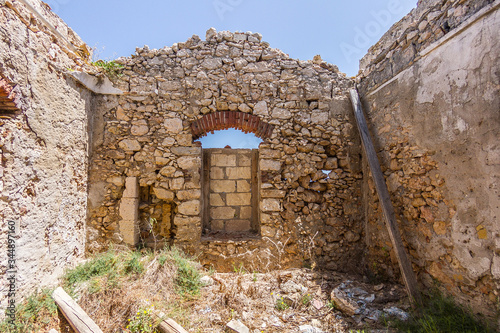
x: 305, y: 216
x: 43, y: 153
x: 431, y: 94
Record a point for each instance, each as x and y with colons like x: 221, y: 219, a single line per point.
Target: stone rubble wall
x: 81, y: 171
x: 436, y: 126
x: 43, y: 149
x: 307, y: 217
x: 403, y: 43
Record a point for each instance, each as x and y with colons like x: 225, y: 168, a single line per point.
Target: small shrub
x: 112, y: 281
x: 97, y: 266
x: 111, y: 68
x: 133, y: 265
x: 281, y: 304
x: 162, y: 259
x: 188, y: 277
x: 331, y: 304
x: 142, y: 322
x: 306, y: 299
x: 94, y: 287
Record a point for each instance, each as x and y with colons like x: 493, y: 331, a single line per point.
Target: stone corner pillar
x: 129, y: 212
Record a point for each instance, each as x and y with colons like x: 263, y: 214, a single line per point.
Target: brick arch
x: 246, y: 122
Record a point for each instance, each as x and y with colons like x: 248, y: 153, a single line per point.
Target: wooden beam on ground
x: 168, y: 325
x: 77, y: 318
x: 385, y: 200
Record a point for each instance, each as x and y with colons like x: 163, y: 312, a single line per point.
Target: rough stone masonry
x: 85, y: 165
x: 307, y: 171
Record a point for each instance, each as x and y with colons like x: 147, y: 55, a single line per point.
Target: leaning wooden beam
x: 385, y: 200
x: 77, y: 318
x: 168, y: 325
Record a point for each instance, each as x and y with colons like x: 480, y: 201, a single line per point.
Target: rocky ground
x: 297, y: 300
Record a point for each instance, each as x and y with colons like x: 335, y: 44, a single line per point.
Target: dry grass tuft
x: 137, y: 281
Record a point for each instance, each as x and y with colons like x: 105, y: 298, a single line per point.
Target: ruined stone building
x: 86, y: 163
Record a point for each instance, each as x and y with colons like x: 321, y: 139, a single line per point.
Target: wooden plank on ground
x: 385, y: 200
x: 168, y: 325
x: 75, y: 315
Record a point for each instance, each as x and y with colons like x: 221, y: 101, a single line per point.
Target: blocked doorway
x: 230, y: 192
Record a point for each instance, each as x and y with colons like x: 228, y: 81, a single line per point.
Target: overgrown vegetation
x: 111, y: 68
x: 440, y: 314
x: 188, y: 276
x: 125, y: 285
x: 38, y: 311
x: 104, y: 271
x: 122, y: 290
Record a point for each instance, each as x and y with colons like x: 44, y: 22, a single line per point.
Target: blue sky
x: 340, y: 31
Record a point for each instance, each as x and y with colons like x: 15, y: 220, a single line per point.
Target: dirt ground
x: 296, y: 300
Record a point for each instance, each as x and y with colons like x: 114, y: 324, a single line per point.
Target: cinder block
x: 217, y: 225
x: 246, y: 212
x: 244, y: 160
x: 243, y: 186
x: 216, y: 200
x: 239, y: 199
x: 223, y: 160
x: 223, y: 186
x: 239, y: 173
x: 237, y: 225
x: 216, y: 173
x: 222, y: 213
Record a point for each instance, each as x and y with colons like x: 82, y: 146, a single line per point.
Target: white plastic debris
x: 397, y: 312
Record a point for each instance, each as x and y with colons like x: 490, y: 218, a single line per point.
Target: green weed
x: 162, y: 259
x: 331, y: 304
x: 188, y: 277
x: 134, y: 265
x: 142, y: 322
x: 440, y: 314
x: 111, y: 68
x: 281, y: 304
x: 33, y: 314
x: 104, y: 271
x: 239, y: 269
x: 100, y: 265
x: 306, y: 299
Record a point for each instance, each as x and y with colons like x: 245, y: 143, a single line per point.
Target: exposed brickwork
x: 248, y: 123
x: 7, y: 96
